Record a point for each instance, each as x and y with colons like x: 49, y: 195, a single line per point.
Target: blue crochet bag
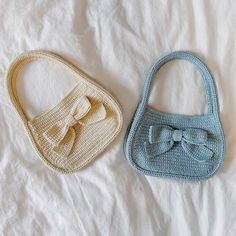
x: 179, y: 146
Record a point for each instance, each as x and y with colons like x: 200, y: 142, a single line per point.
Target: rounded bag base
x: 167, y: 165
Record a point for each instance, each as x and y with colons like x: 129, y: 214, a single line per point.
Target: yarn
x: 177, y: 146
x: 71, y: 134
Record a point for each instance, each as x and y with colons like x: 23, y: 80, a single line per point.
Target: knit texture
x: 71, y: 134
x: 178, y: 146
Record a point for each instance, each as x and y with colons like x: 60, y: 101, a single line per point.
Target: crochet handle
x: 207, y: 77
x: 25, y: 58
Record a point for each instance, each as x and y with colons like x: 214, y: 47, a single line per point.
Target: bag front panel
x: 90, y: 139
x: 176, y: 162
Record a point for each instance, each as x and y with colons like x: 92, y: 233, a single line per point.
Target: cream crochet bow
x: 62, y: 134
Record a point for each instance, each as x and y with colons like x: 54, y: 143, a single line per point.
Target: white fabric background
x: 116, y: 42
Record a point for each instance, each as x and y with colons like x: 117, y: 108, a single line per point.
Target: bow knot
x: 70, y: 120
x: 193, y: 141
x: 177, y: 135
x: 62, y: 134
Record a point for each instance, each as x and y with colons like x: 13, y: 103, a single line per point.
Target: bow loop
x: 162, y: 138
x: 96, y: 114
x: 62, y: 134
x: 160, y: 133
x: 195, y: 136
x: 80, y: 108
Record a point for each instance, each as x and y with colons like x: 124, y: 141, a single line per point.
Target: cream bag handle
x: 27, y: 57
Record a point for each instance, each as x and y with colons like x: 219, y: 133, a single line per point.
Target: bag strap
x: 27, y: 57
x: 210, y: 90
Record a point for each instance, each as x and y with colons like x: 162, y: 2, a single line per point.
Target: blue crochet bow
x: 193, y: 141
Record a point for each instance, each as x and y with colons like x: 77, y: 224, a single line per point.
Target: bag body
x: 177, y: 146
x: 70, y: 135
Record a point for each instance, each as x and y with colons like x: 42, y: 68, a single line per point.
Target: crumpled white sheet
x: 116, y: 42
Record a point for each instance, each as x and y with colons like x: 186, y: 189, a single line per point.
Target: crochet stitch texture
x: 70, y: 135
x: 178, y: 146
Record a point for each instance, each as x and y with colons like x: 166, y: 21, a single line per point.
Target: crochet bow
x: 193, y: 142
x: 62, y: 134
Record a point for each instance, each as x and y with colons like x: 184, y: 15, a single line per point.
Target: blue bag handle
x: 210, y: 89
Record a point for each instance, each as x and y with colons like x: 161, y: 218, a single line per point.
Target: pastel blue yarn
x: 178, y: 146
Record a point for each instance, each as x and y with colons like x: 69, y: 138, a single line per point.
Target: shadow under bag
x: 178, y: 146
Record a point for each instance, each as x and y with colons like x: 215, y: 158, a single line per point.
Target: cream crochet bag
x: 71, y: 134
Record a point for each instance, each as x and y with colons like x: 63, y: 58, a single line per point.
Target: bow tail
x: 63, y: 148
x: 200, y: 153
x: 156, y: 149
